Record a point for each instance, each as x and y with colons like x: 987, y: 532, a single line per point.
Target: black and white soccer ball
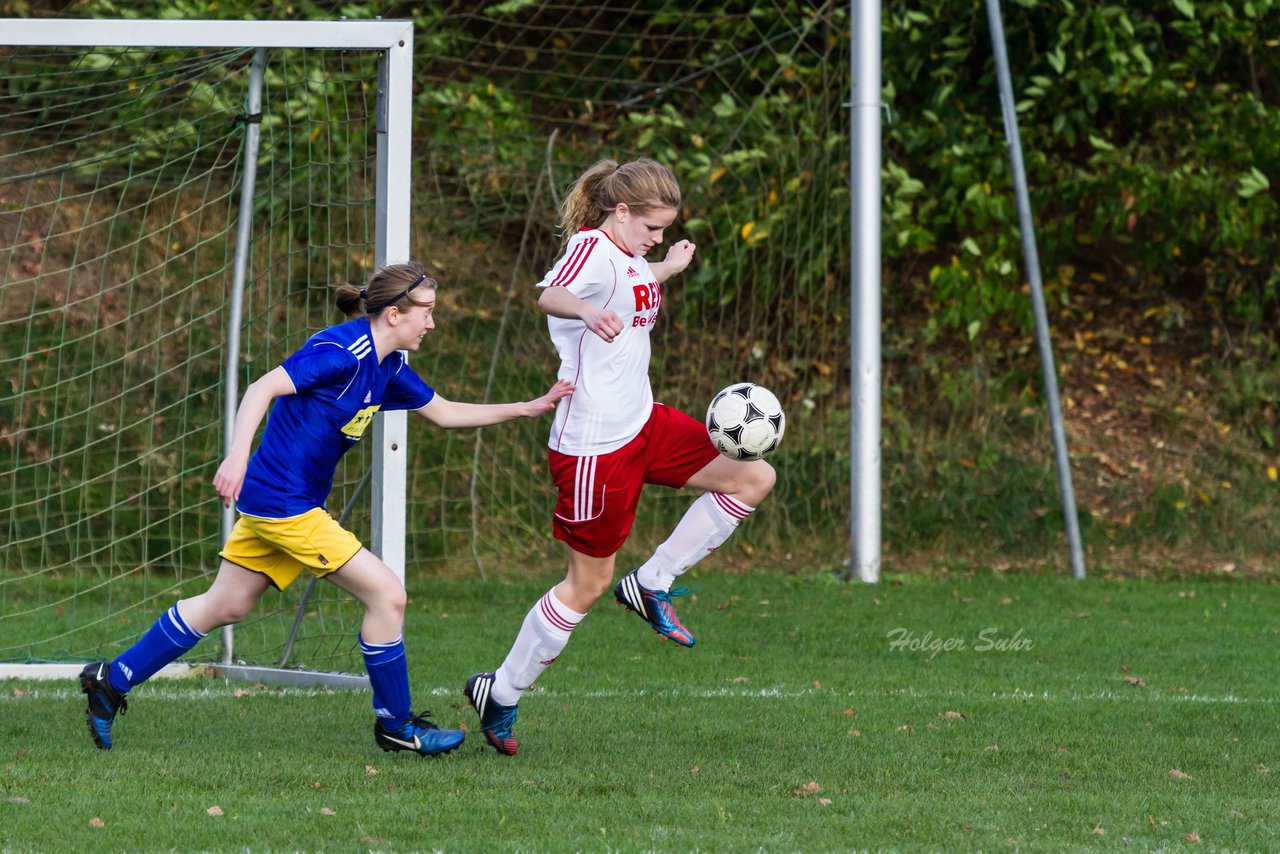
x: 745, y: 421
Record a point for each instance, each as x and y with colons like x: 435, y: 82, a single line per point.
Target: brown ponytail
x: 388, y: 286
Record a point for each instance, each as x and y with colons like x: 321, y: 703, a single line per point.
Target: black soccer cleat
x: 104, y: 702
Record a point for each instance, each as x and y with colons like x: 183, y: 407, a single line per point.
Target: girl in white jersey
x: 610, y: 438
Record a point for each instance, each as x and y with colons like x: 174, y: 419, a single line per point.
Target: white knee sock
x: 706, y: 524
x: 543, y: 635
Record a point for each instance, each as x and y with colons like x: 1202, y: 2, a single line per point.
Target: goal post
x: 152, y: 271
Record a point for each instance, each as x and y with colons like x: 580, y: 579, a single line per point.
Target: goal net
x: 121, y: 171
x: 119, y: 178
x: 748, y: 105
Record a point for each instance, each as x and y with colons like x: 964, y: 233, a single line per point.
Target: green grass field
x: 976, y: 713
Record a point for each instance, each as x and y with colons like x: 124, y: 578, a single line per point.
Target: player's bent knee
x: 390, y: 601
x: 757, y: 481
x: 766, y: 476
x: 233, y: 612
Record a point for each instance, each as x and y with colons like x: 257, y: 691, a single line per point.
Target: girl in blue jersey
x: 326, y: 395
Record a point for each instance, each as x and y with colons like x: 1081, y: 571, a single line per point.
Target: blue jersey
x: 339, y: 385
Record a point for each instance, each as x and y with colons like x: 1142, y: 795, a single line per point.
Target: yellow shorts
x: 281, y: 548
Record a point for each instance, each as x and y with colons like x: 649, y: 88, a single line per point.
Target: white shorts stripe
x: 584, y: 481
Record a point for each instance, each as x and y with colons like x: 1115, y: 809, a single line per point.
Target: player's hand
x: 561, y: 389
x: 679, y: 255
x: 228, y: 479
x: 604, y: 323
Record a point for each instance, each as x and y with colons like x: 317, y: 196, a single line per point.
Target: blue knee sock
x: 389, y: 677
x: 164, y: 642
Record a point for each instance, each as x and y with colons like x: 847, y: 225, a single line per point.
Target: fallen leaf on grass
x: 1135, y: 681
x: 810, y: 788
x: 906, y: 728
x: 847, y: 712
x: 817, y: 686
x: 326, y: 811
x: 1179, y: 775
x: 951, y: 715
x: 214, y: 810
x: 1099, y: 831
x: 97, y: 822
x: 1191, y: 837
x: 369, y: 769
x: 695, y: 769
x: 18, y: 692
x: 19, y: 800
x: 316, y: 784
x: 856, y: 733
x: 826, y: 802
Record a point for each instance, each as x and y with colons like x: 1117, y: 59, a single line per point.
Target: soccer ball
x: 745, y: 421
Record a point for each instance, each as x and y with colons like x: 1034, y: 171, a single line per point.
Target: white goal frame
x: 394, y: 39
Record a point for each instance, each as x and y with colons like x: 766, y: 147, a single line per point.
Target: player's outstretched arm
x: 678, y: 257
x: 452, y: 413
x: 559, y: 302
x: 253, y: 408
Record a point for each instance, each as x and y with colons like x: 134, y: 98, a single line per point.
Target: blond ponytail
x: 641, y: 184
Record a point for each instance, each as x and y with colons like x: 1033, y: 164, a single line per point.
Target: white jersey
x: 612, y: 398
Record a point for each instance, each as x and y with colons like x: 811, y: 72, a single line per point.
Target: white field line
x: 166, y: 689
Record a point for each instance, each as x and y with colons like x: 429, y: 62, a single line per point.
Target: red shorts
x: 598, y: 495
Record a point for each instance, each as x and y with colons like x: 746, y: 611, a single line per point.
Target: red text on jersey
x: 648, y: 299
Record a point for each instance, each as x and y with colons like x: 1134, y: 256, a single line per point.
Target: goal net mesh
x: 119, y: 179
x: 120, y: 172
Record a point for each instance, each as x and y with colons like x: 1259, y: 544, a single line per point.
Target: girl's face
x: 415, y: 320
x: 638, y: 232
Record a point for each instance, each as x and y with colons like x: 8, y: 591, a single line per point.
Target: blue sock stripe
x: 175, y: 616
x: 383, y: 653
x: 167, y: 639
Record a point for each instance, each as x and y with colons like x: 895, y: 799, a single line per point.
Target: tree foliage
x: 1149, y: 132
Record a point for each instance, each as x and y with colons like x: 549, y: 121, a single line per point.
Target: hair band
x: 395, y: 299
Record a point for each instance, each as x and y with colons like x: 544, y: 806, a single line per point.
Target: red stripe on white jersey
x: 733, y: 509
x: 575, y: 262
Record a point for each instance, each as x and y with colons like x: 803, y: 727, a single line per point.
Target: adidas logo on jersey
x: 631, y: 272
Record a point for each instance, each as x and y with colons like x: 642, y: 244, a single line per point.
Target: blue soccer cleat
x: 496, y: 720
x: 654, y: 607
x: 104, y: 702
x: 419, y: 735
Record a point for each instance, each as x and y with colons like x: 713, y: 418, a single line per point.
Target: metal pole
x: 240, y: 266
x: 864, y: 291
x: 391, y: 245
x: 1027, y: 227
